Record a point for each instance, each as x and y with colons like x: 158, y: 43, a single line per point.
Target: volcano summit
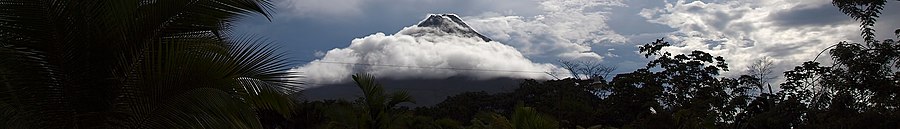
x: 445, y: 24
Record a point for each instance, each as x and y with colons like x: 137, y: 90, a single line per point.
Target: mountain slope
x: 425, y: 92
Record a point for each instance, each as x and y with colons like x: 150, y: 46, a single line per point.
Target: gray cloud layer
x: 814, y: 15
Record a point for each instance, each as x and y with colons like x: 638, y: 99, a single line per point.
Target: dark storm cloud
x: 810, y: 16
x: 353, y: 9
x: 887, y: 23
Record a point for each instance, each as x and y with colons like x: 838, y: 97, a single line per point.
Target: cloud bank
x: 745, y: 31
x: 566, y: 30
x: 411, y: 54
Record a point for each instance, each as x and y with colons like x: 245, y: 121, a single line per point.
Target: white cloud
x: 744, y: 31
x: 319, y: 54
x: 404, y: 55
x: 566, y: 30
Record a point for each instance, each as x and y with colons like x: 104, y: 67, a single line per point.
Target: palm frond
x: 528, y: 118
x: 399, y: 97
x: 194, y: 109
x: 136, y: 64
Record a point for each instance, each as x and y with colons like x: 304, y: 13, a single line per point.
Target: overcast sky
x: 532, y: 35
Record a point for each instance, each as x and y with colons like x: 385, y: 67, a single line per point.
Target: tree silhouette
x: 864, y: 11
x: 859, y: 89
x: 589, y: 69
x: 762, y: 69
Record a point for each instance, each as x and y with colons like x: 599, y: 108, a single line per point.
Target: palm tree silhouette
x: 136, y: 64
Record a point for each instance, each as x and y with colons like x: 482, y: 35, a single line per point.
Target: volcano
x: 429, y: 91
x: 444, y: 24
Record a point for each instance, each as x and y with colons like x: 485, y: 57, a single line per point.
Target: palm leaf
x: 135, y: 64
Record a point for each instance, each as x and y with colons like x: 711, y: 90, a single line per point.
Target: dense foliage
x: 136, y: 64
